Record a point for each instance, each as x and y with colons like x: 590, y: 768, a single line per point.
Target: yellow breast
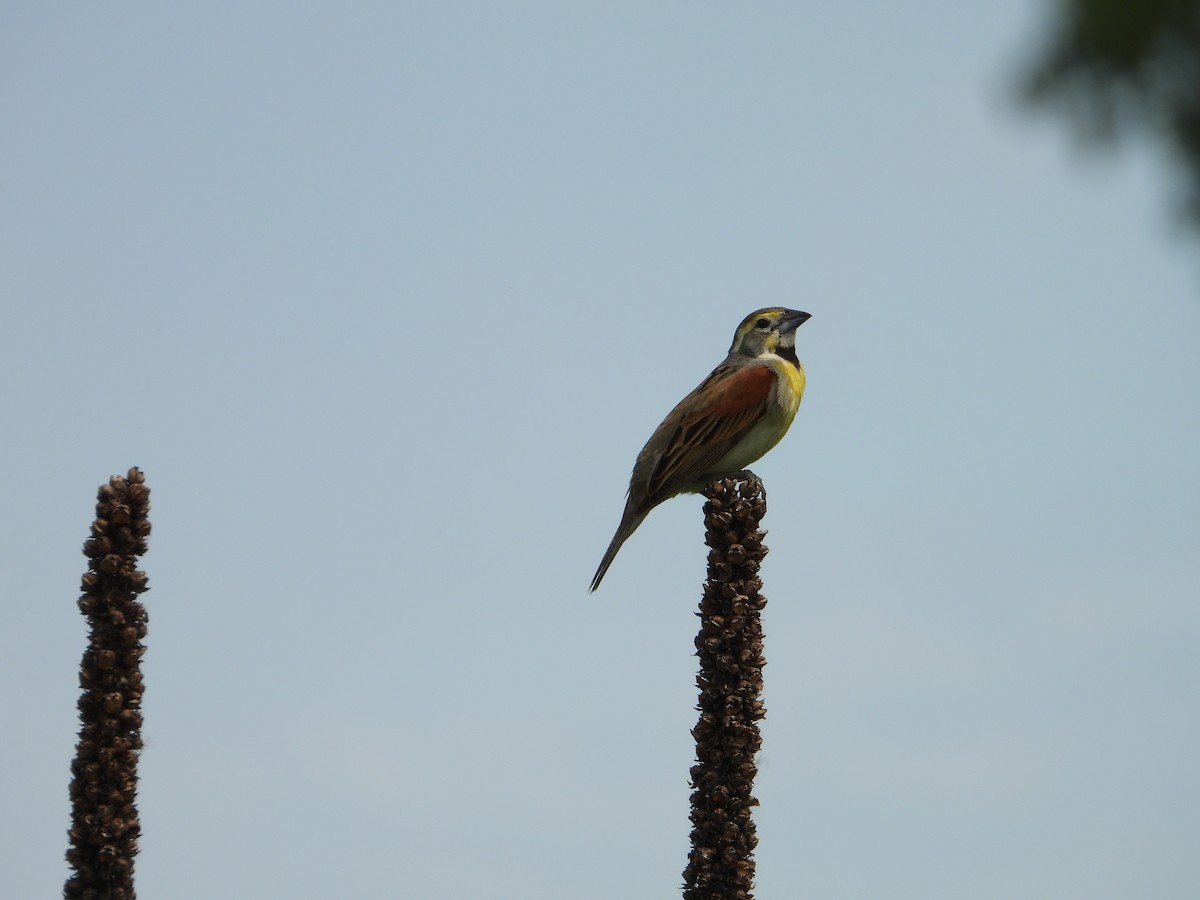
x: 789, y: 387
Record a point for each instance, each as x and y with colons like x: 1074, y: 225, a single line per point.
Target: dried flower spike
x: 729, y: 647
x: 104, y: 821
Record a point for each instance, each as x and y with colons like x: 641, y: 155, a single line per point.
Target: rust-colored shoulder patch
x: 733, y: 392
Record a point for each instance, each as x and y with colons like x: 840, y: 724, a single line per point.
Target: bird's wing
x: 711, y: 420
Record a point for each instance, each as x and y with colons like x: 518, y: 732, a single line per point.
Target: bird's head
x: 771, y: 330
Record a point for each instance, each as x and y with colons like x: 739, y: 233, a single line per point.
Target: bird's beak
x: 792, y: 320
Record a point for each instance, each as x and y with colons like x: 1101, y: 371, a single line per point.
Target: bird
x: 731, y: 419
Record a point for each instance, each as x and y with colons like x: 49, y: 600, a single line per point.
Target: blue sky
x: 384, y: 300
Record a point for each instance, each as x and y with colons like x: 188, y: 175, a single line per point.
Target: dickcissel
x: 737, y: 414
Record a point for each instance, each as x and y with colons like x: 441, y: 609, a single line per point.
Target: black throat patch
x: 788, y: 353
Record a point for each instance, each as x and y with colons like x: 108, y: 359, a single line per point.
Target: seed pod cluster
x: 729, y: 645
x: 104, y: 821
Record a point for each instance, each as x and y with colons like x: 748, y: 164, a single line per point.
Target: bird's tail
x: 627, y: 527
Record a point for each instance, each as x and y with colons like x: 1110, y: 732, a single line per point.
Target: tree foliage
x: 1120, y: 65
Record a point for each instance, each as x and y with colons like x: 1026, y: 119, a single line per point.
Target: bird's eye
x: 762, y: 323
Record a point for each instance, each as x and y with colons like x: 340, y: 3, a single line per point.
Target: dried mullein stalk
x: 104, y: 820
x: 729, y: 645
